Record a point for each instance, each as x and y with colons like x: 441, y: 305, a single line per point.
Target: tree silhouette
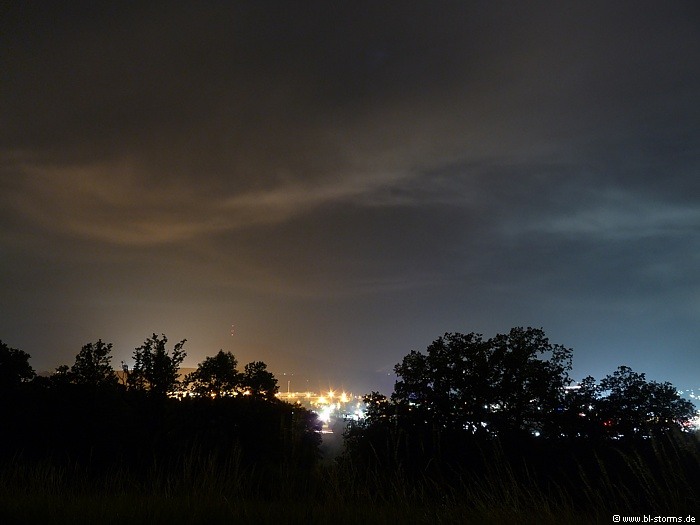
x: 630, y: 406
x: 215, y: 376
x: 14, y: 367
x: 511, y: 382
x: 92, y: 366
x: 528, y: 387
x: 61, y: 377
x: 258, y: 382
x: 377, y: 407
x: 155, y: 369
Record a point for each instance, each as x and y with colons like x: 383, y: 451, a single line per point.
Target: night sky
x: 346, y: 181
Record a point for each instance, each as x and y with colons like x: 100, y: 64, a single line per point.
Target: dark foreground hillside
x: 500, y: 485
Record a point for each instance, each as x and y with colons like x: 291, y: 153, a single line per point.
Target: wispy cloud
x: 114, y: 202
x: 616, y: 215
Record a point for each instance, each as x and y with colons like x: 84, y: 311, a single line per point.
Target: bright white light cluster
x: 325, y: 414
x: 329, y: 406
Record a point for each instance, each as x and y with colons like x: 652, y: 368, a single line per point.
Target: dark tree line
x: 513, y: 387
x: 89, y: 413
x: 462, y: 392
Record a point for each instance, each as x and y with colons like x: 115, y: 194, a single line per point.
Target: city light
x: 330, y: 406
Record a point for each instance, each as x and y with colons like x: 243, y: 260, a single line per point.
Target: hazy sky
x: 346, y: 181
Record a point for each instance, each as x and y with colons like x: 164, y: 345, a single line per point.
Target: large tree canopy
x: 511, y: 382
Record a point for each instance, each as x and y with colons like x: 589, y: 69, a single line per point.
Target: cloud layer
x: 462, y: 159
